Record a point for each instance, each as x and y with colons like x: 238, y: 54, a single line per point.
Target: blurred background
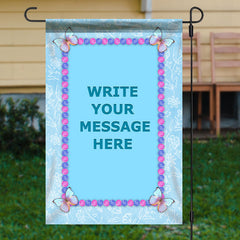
x: 22, y: 59
x: 216, y: 111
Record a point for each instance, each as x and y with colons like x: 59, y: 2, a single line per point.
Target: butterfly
x: 70, y: 39
x: 158, y: 200
x: 156, y: 39
x: 67, y: 201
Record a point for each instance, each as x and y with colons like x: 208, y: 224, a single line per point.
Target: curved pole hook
x: 197, y: 21
x: 200, y: 10
x: 31, y: 20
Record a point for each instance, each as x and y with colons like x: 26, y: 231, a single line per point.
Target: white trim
x: 146, y: 7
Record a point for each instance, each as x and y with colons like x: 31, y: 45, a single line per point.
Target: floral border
x: 65, y: 104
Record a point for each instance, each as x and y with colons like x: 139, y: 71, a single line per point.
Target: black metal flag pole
x: 190, y: 22
x: 191, y: 215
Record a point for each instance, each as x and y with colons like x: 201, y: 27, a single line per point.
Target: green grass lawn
x: 216, y: 199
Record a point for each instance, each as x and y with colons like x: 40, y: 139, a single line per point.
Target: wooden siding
x: 22, y: 44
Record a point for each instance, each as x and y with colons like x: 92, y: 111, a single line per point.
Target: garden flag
x: 114, y: 121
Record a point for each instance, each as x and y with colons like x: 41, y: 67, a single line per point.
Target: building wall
x: 22, y: 44
x: 22, y: 58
